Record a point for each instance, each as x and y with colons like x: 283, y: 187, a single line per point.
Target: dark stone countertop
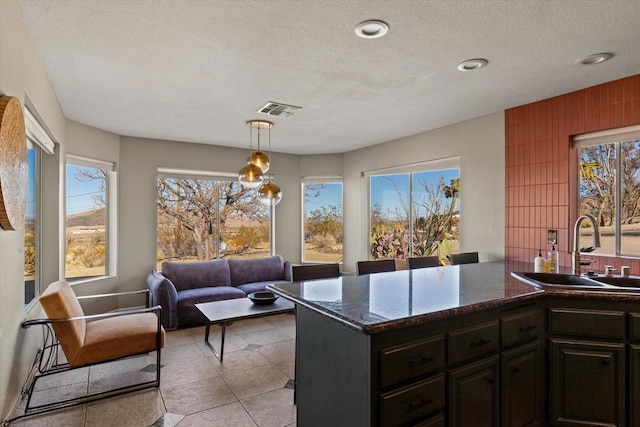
x: 382, y: 302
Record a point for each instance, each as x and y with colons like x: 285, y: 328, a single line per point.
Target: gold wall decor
x: 13, y: 164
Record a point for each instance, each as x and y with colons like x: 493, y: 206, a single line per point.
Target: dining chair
x: 423, y: 262
x: 463, y: 258
x: 378, y: 266
x: 314, y: 271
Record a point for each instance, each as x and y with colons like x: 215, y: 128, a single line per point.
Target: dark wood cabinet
x: 634, y: 385
x: 587, y: 383
x: 474, y: 394
x: 444, y: 373
x: 522, y: 386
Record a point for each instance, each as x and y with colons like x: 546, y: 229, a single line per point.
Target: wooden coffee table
x: 228, y: 311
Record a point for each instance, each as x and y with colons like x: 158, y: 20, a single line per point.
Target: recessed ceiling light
x: 596, y: 58
x: 472, y: 64
x: 372, y: 29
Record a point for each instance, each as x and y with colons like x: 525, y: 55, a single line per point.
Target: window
x: 89, y: 184
x: 609, y: 188
x: 415, y: 211
x: 322, y: 219
x: 38, y: 144
x: 202, y: 217
x: 32, y: 224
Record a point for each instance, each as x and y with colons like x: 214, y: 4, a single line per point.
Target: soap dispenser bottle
x: 538, y: 262
x: 553, y: 260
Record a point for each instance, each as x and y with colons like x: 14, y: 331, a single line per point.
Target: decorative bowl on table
x: 262, y: 297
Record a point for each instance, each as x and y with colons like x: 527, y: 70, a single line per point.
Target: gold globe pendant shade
x: 259, y: 159
x: 251, y: 176
x: 269, y: 194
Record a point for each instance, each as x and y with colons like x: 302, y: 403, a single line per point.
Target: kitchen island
x: 419, y: 346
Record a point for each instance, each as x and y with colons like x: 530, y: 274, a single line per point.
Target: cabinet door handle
x: 417, y: 362
x: 526, y: 329
x: 515, y: 370
x: 480, y: 343
x: 418, y: 403
x: 604, y: 362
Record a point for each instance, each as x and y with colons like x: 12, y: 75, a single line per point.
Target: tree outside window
x: 414, y: 214
x: 322, y: 219
x: 86, y: 232
x: 203, y: 219
x: 609, y: 190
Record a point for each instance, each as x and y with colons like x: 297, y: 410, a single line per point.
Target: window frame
x: 176, y: 173
x: 319, y: 180
x: 40, y: 141
x: 616, y: 137
x: 411, y: 169
x: 37, y: 219
x: 111, y: 209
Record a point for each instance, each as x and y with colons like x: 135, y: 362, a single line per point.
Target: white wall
x: 139, y: 162
x: 22, y: 76
x: 479, y: 143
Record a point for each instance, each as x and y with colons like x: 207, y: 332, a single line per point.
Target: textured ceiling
x: 197, y: 70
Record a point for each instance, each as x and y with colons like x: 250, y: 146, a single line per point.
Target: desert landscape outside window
x: 201, y: 218
x: 609, y: 190
x: 87, y: 205
x: 32, y: 223
x: 322, y: 220
x: 414, y: 213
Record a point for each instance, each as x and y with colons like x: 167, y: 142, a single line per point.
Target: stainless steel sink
x: 580, y: 283
x: 548, y: 280
x: 621, y: 282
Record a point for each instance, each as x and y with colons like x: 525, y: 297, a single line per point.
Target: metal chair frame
x: 47, y: 360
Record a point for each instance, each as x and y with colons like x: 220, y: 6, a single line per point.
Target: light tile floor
x: 252, y: 387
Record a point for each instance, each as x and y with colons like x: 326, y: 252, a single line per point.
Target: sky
x: 330, y: 195
x: 31, y: 185
x: 384, y: 193
x: 80, y: 195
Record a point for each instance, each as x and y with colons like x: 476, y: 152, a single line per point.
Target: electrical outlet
x: 552, y: 237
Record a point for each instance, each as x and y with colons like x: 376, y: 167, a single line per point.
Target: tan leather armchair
x: 90, y: 339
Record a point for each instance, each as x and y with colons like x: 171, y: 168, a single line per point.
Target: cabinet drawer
x: 433, y: 422
x: 634, y: 325
x: 410, y: 360
x: 586, y: 323
x: 473, y: 341
x: 406, y: 404
x: 521, y: 327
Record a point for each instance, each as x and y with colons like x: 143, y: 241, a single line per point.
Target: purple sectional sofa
x: 181, y: 285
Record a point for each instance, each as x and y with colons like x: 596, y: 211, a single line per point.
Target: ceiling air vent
x: 278, y: 109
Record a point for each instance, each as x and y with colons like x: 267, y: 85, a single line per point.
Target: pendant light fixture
x: 252, y: 174
x: 259, y: 158
x: 269, y: 193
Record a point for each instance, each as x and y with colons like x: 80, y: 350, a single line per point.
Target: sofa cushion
x: 248, y: 288
x: 199, y: 274
x: 216, y: 293
x: 189, y: 315
x: 251, y: 270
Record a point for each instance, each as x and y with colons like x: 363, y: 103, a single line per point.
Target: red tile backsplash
x: 538, y: 169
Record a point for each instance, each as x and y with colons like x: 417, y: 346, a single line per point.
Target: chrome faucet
x: 576, y: 240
